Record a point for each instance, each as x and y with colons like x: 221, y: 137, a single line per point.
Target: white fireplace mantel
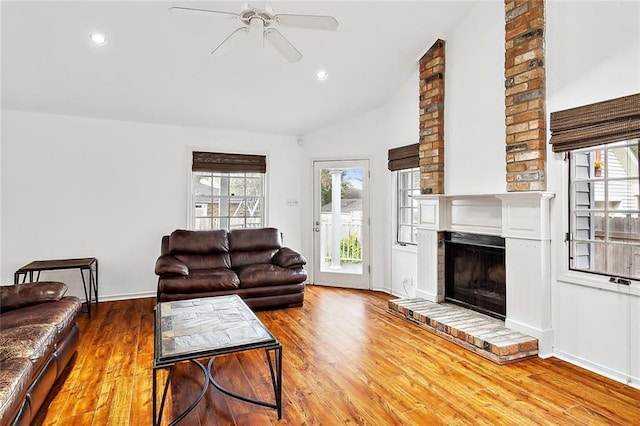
x: 522, y: 218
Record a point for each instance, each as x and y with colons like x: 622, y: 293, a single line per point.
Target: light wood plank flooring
x: 346, y: 360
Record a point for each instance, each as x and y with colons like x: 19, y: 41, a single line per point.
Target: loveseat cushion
x: 200, y: 281
x: 205, y: 261
x: 20, y: 295
x: 254, y: 239
x: 30, y: 341
x: 242, y: 258
x: 198, y: 242
x: 61, y: 315
x: 15, y: 379
x: 258, y: 275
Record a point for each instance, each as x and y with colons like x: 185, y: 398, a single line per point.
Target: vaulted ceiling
x: 156, y: 66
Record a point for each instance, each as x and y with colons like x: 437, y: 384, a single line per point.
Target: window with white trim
x: 404, y: 161
x: 227, y: 191
x: 600, y: 142
x: 604, y: 215
x: 408, y: 184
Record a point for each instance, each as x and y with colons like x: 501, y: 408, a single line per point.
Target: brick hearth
x: 486, y: 336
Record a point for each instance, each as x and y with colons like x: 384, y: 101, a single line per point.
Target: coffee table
x: 196, y: 329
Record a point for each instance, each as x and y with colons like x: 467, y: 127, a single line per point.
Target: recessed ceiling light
x: 98, y: 38
x: 322, y: 75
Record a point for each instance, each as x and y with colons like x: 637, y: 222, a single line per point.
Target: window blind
x: 590, y: 125
x: 404, y: 157
x: 216, y: 162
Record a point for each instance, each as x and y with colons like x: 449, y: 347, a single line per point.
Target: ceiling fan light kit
x: 262, y: 21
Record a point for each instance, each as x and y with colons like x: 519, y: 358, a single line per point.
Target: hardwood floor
x: 345, y: 361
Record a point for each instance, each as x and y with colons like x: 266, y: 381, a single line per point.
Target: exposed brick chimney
x: 432, y: 120
x: 525, y: 95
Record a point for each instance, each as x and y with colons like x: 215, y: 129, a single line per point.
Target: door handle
x: 317, y: 229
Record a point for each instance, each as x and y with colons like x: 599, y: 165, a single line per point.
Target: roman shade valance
x: 590, y: 125
x: 216, y: 162
x: 404, y: 157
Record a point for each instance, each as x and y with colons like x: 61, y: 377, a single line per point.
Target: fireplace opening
x: 475, y: 274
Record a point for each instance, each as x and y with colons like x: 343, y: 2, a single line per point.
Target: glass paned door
x: 341, y: 223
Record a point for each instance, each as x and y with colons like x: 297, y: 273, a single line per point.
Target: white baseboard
x: 114, y: 297
x: 618, y: 376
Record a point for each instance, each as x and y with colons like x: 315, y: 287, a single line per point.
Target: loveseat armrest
x: 289, y: 258
x: 168, y: 264
x: 27, y: 294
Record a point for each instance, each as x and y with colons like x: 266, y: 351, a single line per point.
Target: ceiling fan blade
x: 314, y: 22
x: 232, y: 41
x: 282, y: 45
x: 203, y: 12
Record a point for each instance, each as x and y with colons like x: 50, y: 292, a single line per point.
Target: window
x: 227, y: 191
x: 407, y: 216
x: 604, y: 220
x: 405, y: 162
x: 601, y: 144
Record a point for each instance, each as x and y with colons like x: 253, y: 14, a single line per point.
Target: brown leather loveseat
x: 38, y: 337
x: 251, y: 263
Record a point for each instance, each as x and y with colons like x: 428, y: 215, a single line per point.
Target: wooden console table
x: 89, y: 264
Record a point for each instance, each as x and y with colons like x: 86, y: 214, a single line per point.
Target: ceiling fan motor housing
x: 249, y: 14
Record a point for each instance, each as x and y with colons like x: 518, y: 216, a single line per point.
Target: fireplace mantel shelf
x: 500, y: 195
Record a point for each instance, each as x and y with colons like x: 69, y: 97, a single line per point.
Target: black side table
x: 89, y: 264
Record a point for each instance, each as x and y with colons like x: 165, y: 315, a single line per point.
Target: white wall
x: 77, y: 187
x: 596, y: 324
x: 474, y: 130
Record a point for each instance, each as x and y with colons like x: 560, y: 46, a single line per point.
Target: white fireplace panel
x: 429, y: 213
x: 529, y: 289
x: 482, y: 216
x: 428, y: 287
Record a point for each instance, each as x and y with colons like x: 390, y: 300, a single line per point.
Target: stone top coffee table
x: 188, y: 330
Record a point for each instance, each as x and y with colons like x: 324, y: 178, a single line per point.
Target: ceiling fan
x: 262, y: 21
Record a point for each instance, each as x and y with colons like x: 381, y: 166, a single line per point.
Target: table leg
x: 276, y: 377
x: 86, y: 297
x: 157, y: 420
x: 154, y: 396
x: 276, y: 380
x: 95, y: 282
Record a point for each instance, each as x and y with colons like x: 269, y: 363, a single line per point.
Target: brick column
x: 525, y: 95
x: 432, y: 120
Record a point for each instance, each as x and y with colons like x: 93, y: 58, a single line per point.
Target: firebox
x: 475, y: 275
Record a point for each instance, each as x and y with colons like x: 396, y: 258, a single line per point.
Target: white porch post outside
x: 336, y: 185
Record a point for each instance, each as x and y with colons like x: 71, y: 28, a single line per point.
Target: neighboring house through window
x: 227, y: 191
x: 405, y: 162
x: 601, y: 144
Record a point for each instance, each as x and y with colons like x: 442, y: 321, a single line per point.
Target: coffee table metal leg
x: 154, y: 393
x: 276, y: 377
x: 276, y: 380
x: 157, y: 419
